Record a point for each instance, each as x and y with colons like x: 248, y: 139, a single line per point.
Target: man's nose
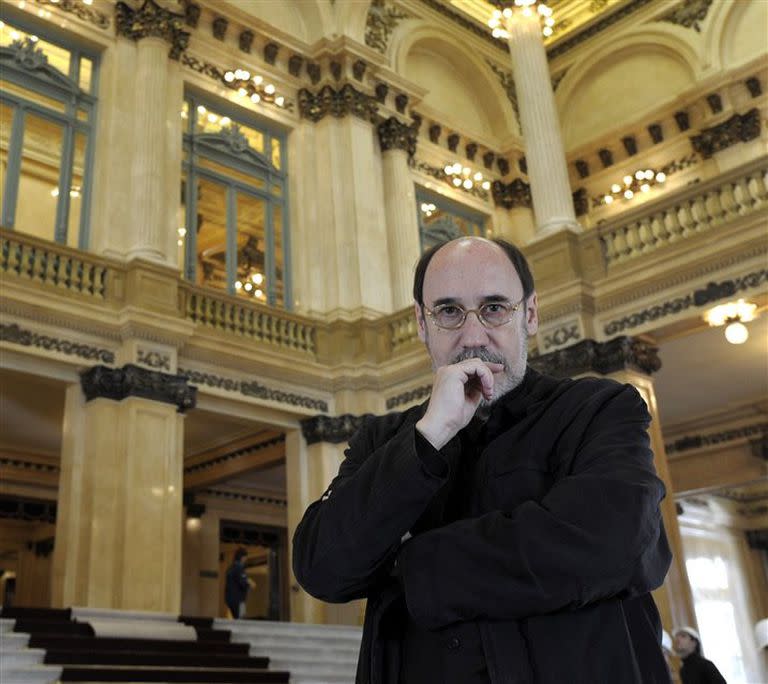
x: 473, y: 332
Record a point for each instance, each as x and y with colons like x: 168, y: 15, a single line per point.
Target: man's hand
x: 457, y: 391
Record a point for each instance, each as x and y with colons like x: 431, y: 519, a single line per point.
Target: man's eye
x: 449, y: 310
x: 494, y: 308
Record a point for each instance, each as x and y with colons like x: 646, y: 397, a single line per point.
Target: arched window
x: 235, y: 222
x: 47, y: 110
x: 441, y: 219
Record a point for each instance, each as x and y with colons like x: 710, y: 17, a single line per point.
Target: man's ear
x: 420, y: 322
x: 532, y: 314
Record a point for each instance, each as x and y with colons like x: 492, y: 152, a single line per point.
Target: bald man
x: 506, y: 530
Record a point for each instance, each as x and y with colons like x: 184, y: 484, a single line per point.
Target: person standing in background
x: 237, y: 585
x: 696, y: 668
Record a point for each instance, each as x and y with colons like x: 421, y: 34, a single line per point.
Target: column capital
x: 395, y: 135
x: 152, y: 21
x: 590, y: 356
x: 338, y: 103
x: 516, y: 193
x: 333, y: 429
x: 135, y: 381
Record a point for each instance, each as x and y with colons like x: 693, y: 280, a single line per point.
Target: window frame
x: 476, y: 218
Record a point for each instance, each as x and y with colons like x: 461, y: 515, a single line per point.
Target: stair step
x: 36, y: 674
x: 149, y: 658
x: 86, y: 673
x: 12, y: 641
x: 39, y: 626
x: 23, y: 657
x: 34, y: 613
x: 51, y: 641
x: 287, y: 651
x: 314, y: 643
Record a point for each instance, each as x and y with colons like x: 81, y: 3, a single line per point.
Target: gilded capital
x: 152, y: 20
x: 395, y: 135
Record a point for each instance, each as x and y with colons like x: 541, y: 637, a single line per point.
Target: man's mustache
x: 480, y: 353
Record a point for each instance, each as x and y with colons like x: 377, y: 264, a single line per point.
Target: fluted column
x: 547, y: 170
x: 397, y: 142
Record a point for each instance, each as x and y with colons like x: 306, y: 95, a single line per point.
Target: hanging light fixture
x: 527, y: 8
x: 463, y: 177
x: 640, y: 182
x: 733, y: 315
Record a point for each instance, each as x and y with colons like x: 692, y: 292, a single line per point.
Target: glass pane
x: 207, y: 121
x: 86, y: 74
x: 277, y: 190
x: 440, y: 221
x: 228, y: 172
x: 76, y: 193
x: 6, y: 122
x: 32, y: 96
x: 211, y: 224
x: 276, y: 153
x: 38, y: 183
x: 58, y: 57
x: 280, y: 257
x: 82, y: 115
x: 181, y: 213
x: 251, y: 247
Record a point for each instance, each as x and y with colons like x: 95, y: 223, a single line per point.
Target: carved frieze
x: 606, y: 157
x: 753, y: 86
x: 295, y: 63
x: 739, y: 128
x: 453, y: 141
x: 382, y: 19
x: 381, y: 91
x: 80, y: 10
x: 270, y: 52
x: 135, y: 381
x: 219, y: 28
x: 582, y: 168
x: 151, y: 20
x: 395, y: 135
x: 154, y: 359
x: 26, y: 338
x: 488, y: 159
x: 561, y: 335
x: 656, y: 132
x: 516, y: 193
x: 683, y: 121
x: 715, y: 103
x: 191, y: 13
x: 589, y: 356
x: 408, y: 397
x: 333, y: 429
x: 689, y: 14
x: 337, y: 103
x: 245, y: 41
x: 508, y: 83
x: 689, y: 442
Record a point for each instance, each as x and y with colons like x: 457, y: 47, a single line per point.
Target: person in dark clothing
x: 237, y: 585
x: 508, y: 530
x: 696, y: 669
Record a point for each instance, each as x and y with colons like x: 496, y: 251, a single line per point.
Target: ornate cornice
x: 29, y: 465
x: 739, y: 128
x: 701, y: 297
x: 237, y: 453
x: 251, y: 388
x: 560, y: 336
x: 135, y: 381
x: 338, y: 103
x: 382, y: 19
x: 689, y: 442
x: 516, y: 193
x: 242, y: 496
x: 589, y: 356
x: 151, y: 20
x: 688, y: 14
x: 80, y: 10
x: 26, y: 338
x: 395, y: 135
x: 409, y: 396
x: 18, y: 508
x: 333, y: 429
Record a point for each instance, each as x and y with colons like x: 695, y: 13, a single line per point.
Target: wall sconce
x: 733, y: 315
x: 462, y: 177
x: 641, y: 181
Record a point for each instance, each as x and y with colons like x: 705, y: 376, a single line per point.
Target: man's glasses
x: 490, y: 314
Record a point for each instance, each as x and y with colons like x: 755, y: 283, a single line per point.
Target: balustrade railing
x: 403, y: 329
x: 228, y: 314
x: 49, y: 263
x: 698, y: 209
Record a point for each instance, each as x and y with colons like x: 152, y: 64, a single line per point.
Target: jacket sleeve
x: 349, y: 538
x: 596, y: 534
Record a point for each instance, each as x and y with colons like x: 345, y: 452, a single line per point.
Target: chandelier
x: 463, y: 177
x: 528, y: 8
x: 642, y: 181
x: 252, y: 87
x: 733, y: 315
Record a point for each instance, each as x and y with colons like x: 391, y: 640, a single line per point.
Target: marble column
x: 118, y: 526
x: 544, y: 153
x: 398, y: 141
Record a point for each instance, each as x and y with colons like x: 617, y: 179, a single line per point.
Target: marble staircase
x: 20, y: 664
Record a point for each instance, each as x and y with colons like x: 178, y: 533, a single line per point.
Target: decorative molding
x: 333, y: 429
x: 395, y: 135
x: 753, y: 86
x: 382, y: 19
x: 11, y: 332
x: 135, y: 381
x: 507, y: 81
x: 18, y: 508
x: 191, y: 13
x: 408, y: 397
x: 688, y: 14
x: 29, y: 465
x: 516, y: 193
x: 562, y: 335
x: 689, y: 442
x: 80, y: 10
x: 337, y: 103
x: 248, y: 534
x: 237, y: 453
x: 739, y: 128
x: 252, y: 389
x: 589, y: 356
x: 701, y: 297
x: 438, y: 173
x: 241, y: 496
x: 151, y: 20
x: 154, y: 359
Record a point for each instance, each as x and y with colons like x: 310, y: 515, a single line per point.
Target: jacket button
x: 454, y: 643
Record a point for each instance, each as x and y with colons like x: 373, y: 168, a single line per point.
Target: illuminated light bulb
x: 627, y: 180
x: 467, y: 184
x: 478, y: 176
x: 496, y: 13
x: 615, y: 187
x: 448, y: 169
x: 34, y: 39
x: 661, y: 177
x: 466, y: 171
x: 179, y: 242
x: 229, y: 77
x: 549, y: 21
x: 496, y: 33
x: 201, y: 109
x: 542, y: 10
x: 242, y: 92
x: 737, y: 333
x: 547, y: 31
x: 493, y: 23
x: 74, y: 193
x: 269, y: 89
x: 259, y: 294
x: 257, y: 278
x: 15, y: 35
x: 457, y: 168
x: 255, y: 98
x: 258, y: 79
x: 608, y: 199
x: 629, y: 194
x: 246, y: 75
x: 518, y: 3
x: 2, y: 24
x: 279, y: 100
x: 225, y: 121
x: 248, y: 287
x: 238, y: 285
x: 507, y: 13
x: 639, y: 175
x: 527, y: 12
x: 87, y: 2
x: 55, y: 192
x: 182, y: 231
x: 486, y: 185
x: 212, y: 118
x: 457, y: 182
x: 645, y: 187
x: 40, y: 13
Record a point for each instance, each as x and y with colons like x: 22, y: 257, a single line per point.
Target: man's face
x: 470, y: 273
x: 684, y: 644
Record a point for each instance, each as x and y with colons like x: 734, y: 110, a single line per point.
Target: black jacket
x: 556, y: 563
x: 697, y: 669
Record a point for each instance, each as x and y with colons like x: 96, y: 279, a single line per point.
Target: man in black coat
x: 508, y: 530
x: 696, y: 669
